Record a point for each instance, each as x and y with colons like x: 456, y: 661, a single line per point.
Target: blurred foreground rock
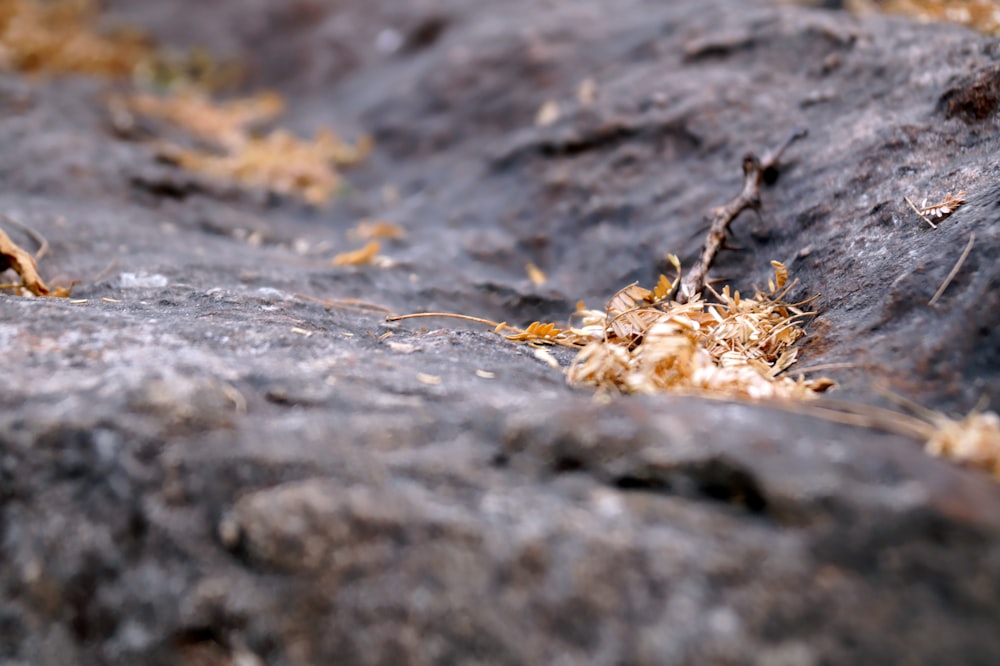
x: 206, y: 467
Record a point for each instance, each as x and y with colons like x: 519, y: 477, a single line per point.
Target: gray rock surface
x: 209, y: 468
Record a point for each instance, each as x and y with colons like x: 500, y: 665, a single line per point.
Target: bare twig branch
x: 754, y: 169
x: 919, y: 212
x: 954, y: 270
x: 450, y: 315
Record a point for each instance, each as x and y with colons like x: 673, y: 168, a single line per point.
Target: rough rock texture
x: 209, y: 468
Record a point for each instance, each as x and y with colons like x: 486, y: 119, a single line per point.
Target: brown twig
x: 449, y: 315
x: 919, y: 212
x: 754, y: 169
x: 954, y: 270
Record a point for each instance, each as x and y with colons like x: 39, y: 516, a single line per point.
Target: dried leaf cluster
x: 975, y: 440
x: 276, y: 161
x: 14, y: 257
x: 646, y: 342
x: 60, y: 37
x: 729, y: 345
x: 982, y: 15
x: 65, y: 37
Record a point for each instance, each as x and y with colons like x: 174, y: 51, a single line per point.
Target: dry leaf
x: 371, y: 229
x: 547, y: 358
x: 547, y: 114
x: 13, y: 256
x: 430, y: 380
x: 537, y: 332
x: 586, y: 92
x: 359, y: 257
x: 535, y: 274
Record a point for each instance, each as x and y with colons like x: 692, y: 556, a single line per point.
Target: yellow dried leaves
x: 59, y: 37
x: 14, y: 257
x: 276, y: 161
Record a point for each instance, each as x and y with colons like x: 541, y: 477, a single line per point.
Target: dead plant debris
x: 373, y: 229
x: 359, y: 257
x: 982, y: 15
x: 278, y: 162
x: 954, y: 271
x: 642, y: 342
x: 672, y: 338
x: 535, y: 274
x: 23, y: 263
x: 754, y: 171
x: 972, y: 440
x: 221, y: 123
x: 61, y: 38
x: 938, y: 211
x: 64, y: 37
x: 275, y: 161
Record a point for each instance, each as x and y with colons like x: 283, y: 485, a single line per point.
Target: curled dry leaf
x: 371, y: 229
x: 359, y: 257
x: 13, y: 256
x: 535, y: 274
x: 548, y: 113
